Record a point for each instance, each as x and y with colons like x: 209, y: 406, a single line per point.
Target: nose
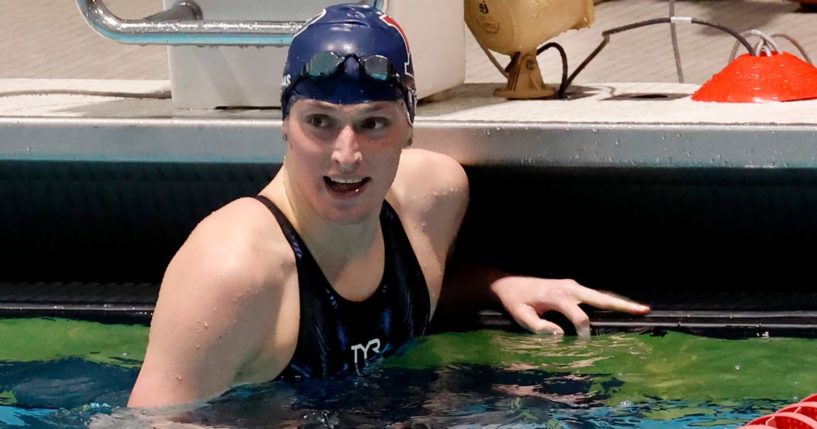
x: 346, y: 153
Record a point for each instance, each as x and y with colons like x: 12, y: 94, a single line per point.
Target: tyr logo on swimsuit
x: 373, y: 344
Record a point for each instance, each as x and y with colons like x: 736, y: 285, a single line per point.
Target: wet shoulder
x: 425, y: 177
x: 243, y: 242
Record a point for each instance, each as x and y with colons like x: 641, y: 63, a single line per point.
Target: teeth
x: 340, y: 180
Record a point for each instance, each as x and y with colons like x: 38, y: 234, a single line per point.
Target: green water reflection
x: 669, y: 366
x: 623, y: 368
x: 29, y: 340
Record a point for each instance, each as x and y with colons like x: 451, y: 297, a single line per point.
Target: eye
x: 374, y: 123
x: 319, y: 121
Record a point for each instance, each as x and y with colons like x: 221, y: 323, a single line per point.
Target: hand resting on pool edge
x: 469, y: 288
x: 526, y: 298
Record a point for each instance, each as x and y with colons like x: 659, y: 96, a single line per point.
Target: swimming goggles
x: 325, y: 64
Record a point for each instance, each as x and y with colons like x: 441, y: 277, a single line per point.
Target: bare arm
x: 212, y: 317
x: 432, y: 191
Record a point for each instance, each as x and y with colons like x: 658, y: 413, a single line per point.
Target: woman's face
x: 342, y: 159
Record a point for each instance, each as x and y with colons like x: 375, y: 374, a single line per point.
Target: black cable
x: 665, y: 20
x: 587, y: 61
x: 563, y: 85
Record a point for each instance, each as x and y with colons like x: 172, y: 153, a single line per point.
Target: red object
x: 784, y: 420
x: 795, y: 416
x: 808, y: 409
x: 752, y: 79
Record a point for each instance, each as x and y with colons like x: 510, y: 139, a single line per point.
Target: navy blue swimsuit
x: 337, y: 335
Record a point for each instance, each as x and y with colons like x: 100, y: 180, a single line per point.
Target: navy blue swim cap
x: 349, y: 54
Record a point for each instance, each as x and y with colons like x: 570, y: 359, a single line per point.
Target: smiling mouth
x: 346, y: 186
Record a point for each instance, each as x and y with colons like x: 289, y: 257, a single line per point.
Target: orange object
x: 753, y: 79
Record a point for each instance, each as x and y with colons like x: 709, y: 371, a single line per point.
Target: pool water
x: 71, y: 374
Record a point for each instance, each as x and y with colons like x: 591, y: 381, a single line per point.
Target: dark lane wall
x: 108, y: 222
x: 642, y: 232
x: 633, y: 231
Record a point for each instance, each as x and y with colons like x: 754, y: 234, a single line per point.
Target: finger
x: 608, y: 301
x: 527, y: 317
x: 577, y: 317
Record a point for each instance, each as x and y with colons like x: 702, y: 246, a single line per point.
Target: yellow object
x: 517, y: 28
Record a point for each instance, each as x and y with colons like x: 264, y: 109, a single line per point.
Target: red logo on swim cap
x: 392, y: 23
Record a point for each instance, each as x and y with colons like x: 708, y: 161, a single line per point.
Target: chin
x: 344, y: 212
x: 349, y: 216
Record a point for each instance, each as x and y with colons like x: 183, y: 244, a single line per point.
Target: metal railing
x: 184, y: 24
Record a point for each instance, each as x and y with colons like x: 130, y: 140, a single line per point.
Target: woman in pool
x: 340, y: 258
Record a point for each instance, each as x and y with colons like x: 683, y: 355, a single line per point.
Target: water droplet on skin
x: 206, y: 325
x: 178, y: 378
x: 198, y: 346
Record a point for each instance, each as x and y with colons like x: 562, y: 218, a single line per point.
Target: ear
x: 285, y: 129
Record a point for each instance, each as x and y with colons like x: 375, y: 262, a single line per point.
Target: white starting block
x: 230, y: 76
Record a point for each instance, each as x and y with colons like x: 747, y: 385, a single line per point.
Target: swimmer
x: 340, y: 258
